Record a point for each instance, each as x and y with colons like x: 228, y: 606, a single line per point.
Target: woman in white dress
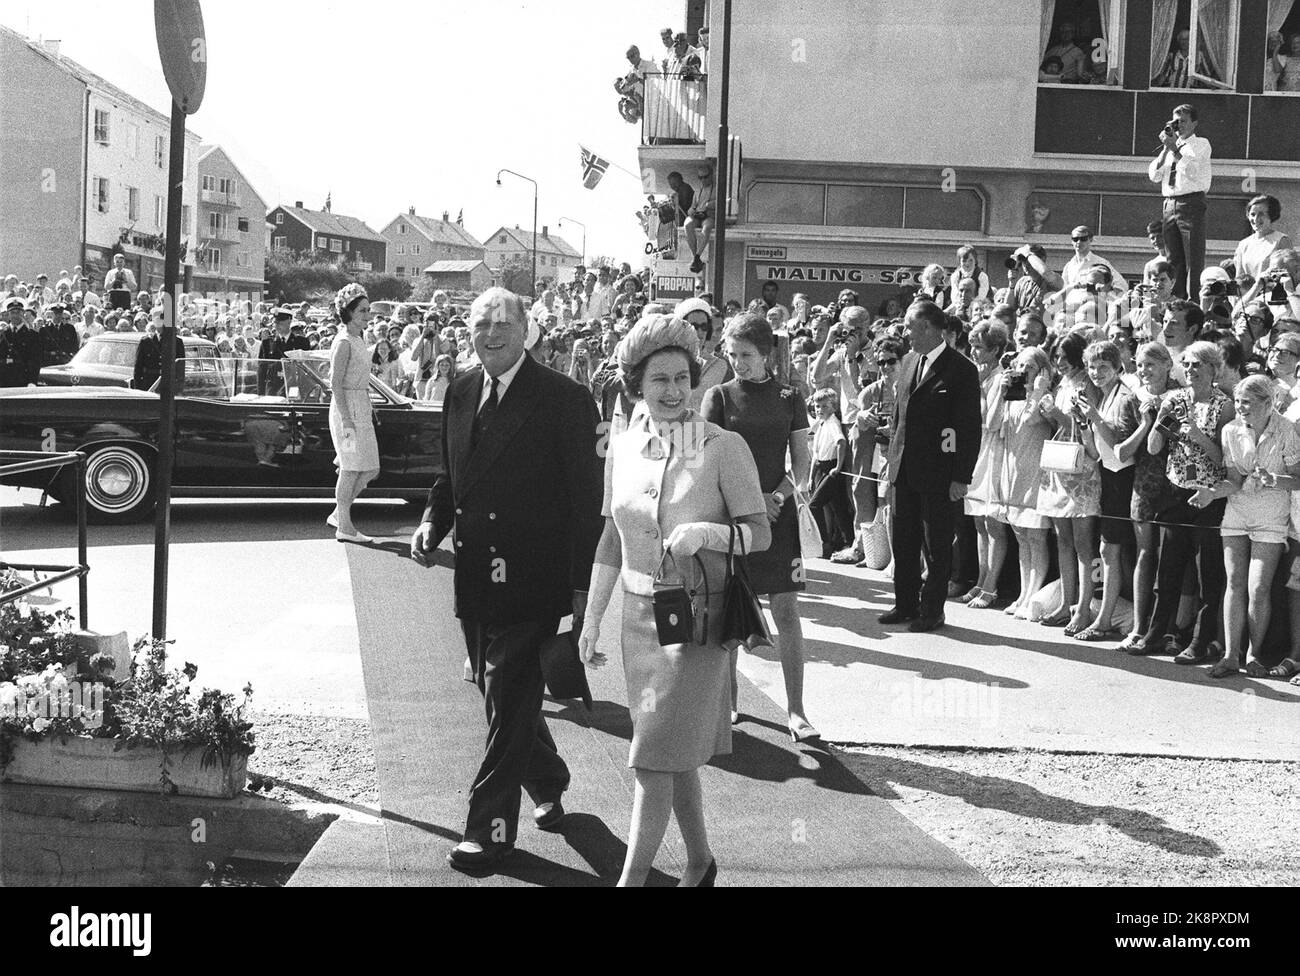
x: 352, y: 426
x: 1253, y: 252
x: 988, y: 340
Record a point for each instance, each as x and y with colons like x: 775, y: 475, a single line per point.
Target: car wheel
x: 119, y: 484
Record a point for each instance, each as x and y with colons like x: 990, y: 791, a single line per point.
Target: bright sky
x: 389, y: 104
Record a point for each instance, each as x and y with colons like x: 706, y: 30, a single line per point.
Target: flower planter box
x: 93, y: 764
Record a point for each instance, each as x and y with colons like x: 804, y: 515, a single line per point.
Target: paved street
x: 259, y: 592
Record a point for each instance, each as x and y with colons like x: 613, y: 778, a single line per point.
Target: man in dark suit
x: 521, y: 493
x: 931, y: 460
x: 270, y: 375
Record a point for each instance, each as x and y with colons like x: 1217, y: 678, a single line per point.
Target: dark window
x: 864, y: 206
x: 933, y: 209
x: 1058, y: 211
x: 243, y: 225
x: 787, y: 203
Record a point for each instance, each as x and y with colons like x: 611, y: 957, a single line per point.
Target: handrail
x: 36, y: 461
x: 673, y: 109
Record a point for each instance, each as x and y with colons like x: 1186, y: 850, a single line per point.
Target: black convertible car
x: 243, y: 428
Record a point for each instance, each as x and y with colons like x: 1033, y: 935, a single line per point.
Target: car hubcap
x: 116, y: 480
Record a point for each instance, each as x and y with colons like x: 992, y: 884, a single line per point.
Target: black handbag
x: 742, y: 615
x: 680, y: 618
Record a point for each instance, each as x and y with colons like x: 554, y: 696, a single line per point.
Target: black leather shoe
x: 922, y: 625
x: 548, y: 816
x: 482, y: 861
x: 896, y: 616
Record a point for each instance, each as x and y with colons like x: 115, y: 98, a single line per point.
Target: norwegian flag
x: 593, y: 168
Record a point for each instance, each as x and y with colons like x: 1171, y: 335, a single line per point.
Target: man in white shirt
x: 601, y: 302
x: 1075, y: 270
x: 1182, y: 171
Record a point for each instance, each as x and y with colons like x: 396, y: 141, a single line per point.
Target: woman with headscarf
x: 675, y: 486
x: 773, y: 420
x: 352, y: 426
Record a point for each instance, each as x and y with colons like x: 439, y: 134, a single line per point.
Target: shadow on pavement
x: 881, y: 773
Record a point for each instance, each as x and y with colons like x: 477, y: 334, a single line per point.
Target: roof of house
x: 549, y: 244
x: 323, y: 222
x: 92, y: 80
x: 438, y: 231
x: 449, y: 267
x: 207, y: 149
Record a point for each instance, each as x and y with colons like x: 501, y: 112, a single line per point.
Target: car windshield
x: 106, y: 352
x: 296, y: 379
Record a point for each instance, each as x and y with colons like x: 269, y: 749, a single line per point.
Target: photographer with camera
x: 1029, y: 279
x: 1143, y: 307
x: 1278, y: 284
x: 839, y: 365
x: 1182, y: 171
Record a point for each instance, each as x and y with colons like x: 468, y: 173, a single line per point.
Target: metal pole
x: 167, y: 381
x: 724, y: 161
x: 83, y: 595
x: 534, y: 289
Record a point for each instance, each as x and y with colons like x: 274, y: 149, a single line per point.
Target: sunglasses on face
x: 1257, y: 319
x: 886, y: 362
x: 1080, y: 239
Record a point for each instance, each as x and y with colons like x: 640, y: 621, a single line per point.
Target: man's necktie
x: 916, y: 377
x: 1173, y: 167
x: 485, y: 415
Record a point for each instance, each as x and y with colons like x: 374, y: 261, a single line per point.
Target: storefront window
x: 864, y: 206
x: 1056, y: 211
x: 930, y: 208
x: 787, y: 203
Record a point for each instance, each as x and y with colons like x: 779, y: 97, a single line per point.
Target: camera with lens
x: 1010, y: 263
x: 1017, y: 386
x: 1220, y: 289
x: 1171, y: 127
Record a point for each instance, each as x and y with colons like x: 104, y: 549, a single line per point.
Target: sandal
x: 1224, y: 669
x: 1096, y: 634
x: 969, y: 595
x: 1011, y: 609
x: 983, y: 601
x: 1131, y: 642
x: 1256, y: 670
x: 1285, y: 668
x: 1058, y: 619
x: 1074, y: 630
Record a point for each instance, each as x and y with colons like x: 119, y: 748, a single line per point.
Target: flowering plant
x: 48, y: 686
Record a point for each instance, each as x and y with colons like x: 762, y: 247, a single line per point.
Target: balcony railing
x: 673, y: 113
x: 219, y: 198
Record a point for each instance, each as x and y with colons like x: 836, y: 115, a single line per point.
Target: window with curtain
x: 1208, y: 27
x: 1282, y: 47
x: 1081, y: 42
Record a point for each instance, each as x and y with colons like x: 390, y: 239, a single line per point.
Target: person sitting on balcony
x: 701, y: 217
x: 682, y: 196
x: 1073, y: 61
x: 702, y: 45
x: 1049, y: 72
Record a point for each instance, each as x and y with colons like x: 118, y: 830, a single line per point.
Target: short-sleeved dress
x: 1070, y: 495
x: 1024, y: 430
x: 983, y: 499
x: 356, y: 387
x: 765, y: 414
x: 679, y: 696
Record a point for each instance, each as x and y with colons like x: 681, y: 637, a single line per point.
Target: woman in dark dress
x: 773, y: 420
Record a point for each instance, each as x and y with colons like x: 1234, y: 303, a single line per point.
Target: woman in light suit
x: 672, y: 481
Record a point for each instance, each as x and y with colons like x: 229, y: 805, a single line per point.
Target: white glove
x: 587, y: 642
x: 690, y: 537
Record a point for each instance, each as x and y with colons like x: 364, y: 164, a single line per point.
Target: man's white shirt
x: 1191, y: 171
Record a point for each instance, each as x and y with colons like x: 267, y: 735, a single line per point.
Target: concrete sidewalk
x: 777, y: 815
x: 988, y: 680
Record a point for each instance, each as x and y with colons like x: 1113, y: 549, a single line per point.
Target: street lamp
x: 533, y: 287
x: 584, y: 236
